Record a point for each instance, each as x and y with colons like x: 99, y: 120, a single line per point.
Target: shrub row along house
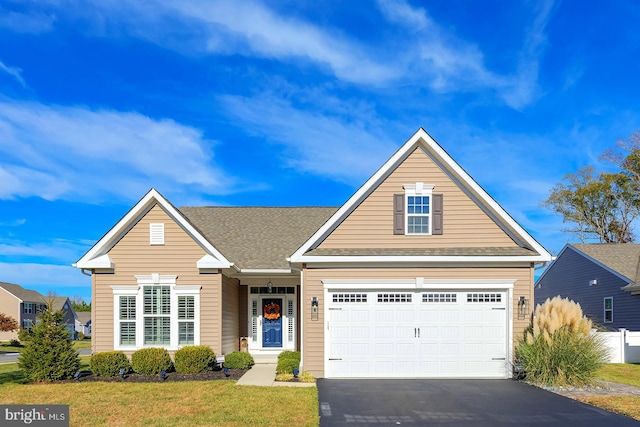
x: 419, y: 274
x: 23, y: 305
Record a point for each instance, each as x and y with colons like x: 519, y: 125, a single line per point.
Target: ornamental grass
x: 558, y: 348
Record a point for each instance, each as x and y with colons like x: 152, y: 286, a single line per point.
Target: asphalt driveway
x: 454, y: 403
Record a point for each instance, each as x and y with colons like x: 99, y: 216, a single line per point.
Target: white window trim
x: 119, y: 291
x: 423, y: 190
x: 604, y: 310
x: 137, y: 291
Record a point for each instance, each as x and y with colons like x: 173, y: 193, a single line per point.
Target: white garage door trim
x: 416, y: 285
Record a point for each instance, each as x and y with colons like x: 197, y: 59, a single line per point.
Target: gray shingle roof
x: 620, y: 257
x: 257, y: 237
x: 83, y: 316
x: 22, y: 293
x: 497, y: 251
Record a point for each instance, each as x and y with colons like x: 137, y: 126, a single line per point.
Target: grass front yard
x: 189, y: 403
x: 77, y: 344
x: 624, y: 374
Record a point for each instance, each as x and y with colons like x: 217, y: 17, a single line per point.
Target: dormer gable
x: 420, y: 206
x: 97, y: 258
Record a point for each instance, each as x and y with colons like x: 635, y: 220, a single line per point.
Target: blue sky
x: 291, y: 103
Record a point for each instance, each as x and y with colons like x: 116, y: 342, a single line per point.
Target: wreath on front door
x: 271, y: 311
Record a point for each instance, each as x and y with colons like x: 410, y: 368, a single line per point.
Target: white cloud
x: 54, y: 275
x: 58, y: 250
x: 72, y: 153
x: 418, y: 52
x: 450, y: 64
x: 35, y: 21
x: 314, y: 142
x: 14, y: 72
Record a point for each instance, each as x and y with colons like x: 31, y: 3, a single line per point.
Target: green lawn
x: 623, y: 373
x: 6, y: 346
x: 189, y: 403
x: 78, y: 345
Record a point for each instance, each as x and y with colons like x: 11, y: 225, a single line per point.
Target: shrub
x: 109, y: 363
x: 24, y: 335
x: 238, y: 360
x: 288, y: 361
x: 284, y: 377
x: 307, y: 377
x: 49, y: 354
x: 15, y: 343
x: 80, y: 336
x: 194, y: 359
x: 558, y: 349
x: 150, y: 361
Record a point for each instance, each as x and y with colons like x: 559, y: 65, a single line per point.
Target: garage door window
x: 396, y: 297
x: 484, y: 297
x: 349, y: 298
x: 430, y: 297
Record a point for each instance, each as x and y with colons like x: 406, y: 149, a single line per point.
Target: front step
x: 265, y: 358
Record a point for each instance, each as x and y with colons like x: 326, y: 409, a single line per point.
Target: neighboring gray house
x: 64, y: 304
x: 83, y: 322
x: 603, y: 278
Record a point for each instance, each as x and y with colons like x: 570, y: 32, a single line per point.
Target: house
x: 21, y: 304
x: 24, y: 306
x: 83, y: 323
x: 419, y: 274
x: 603, y: 278
x: 64, y: 304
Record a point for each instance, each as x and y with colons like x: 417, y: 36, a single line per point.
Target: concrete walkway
x: 263, y: 373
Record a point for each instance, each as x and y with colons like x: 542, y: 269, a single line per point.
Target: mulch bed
x: 234, y: 374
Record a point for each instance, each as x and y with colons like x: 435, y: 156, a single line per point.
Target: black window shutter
x: 398, y: 214
x: 437, y: 214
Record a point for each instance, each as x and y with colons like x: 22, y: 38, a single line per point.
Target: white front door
x: 417, y: 334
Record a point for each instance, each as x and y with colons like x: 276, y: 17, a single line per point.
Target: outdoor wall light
x: 269, y: 287
x: 523, y: 307
x: 314, y: 308
x: 314, y: 302
x: 593, y: 282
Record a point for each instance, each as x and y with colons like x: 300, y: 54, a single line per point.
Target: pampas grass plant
x: 558, y: 348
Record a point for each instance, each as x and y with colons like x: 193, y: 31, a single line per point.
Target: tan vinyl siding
x: 313, y: 351
x: 133, y: 255
x: 10, y: 306
x: 243, y: 306
x: 230, y: 315
x: 371, y: 223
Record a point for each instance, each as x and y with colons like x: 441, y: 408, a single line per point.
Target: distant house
x: 24, y: 305
x: 603, y: 278
x: 21, y: 304
x: 83, y: 322
x: 64, y: 304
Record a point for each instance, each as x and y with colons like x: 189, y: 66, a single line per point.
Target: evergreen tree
x: 49, y: 354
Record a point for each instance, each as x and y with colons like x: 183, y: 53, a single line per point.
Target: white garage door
x: 397, y: 334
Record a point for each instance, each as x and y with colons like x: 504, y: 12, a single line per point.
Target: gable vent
x: 156, y: 233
